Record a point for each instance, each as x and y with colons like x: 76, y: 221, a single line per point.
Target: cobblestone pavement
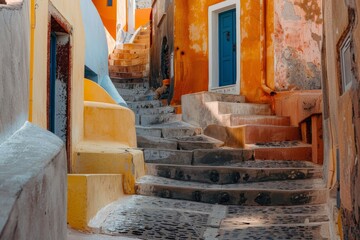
x: 148, y: 218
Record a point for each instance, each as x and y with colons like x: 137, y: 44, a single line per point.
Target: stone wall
x: 297, y: 44
x: 14, y: 71
x: 341, y: 110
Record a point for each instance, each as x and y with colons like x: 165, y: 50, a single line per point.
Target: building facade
x: 341, y: 52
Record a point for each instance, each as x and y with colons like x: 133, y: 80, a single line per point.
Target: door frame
x: 62, y: 26
x: 213, y: 14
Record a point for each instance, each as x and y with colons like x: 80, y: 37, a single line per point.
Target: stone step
x: 131, y: 80
x: 156, y: 143
x: 168, y: 130
x: 178, y: 157
x: 182, y: 143
x: 140, y: 90
x: 141, y: 86
x: 127, y: 75
x: 146, y: 41
x: 198, y: 142
x: 238, y: 119
x: 221, y: 157
x: 238, y: 136
x: 144, y: 104
x: 130, y: 51
x: 231, y: 175
x: 160, y: 110
x: 132, y: 46
x: 137, y: 68
x: 122, y: 56
x: 128, y: 62
x: 292, y: 150
x: 146, y: 36
x: 239, y: 108
x: 274, y: 193
x: 138, y: 97
x: 207, y: 157
x: 146, y: 120
x: 88, y: 193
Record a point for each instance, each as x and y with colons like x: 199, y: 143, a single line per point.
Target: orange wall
x: 108, y: 15
x: 142, y: 17
x: 191, y: 48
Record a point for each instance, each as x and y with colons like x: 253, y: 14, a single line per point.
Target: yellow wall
x: 191, y: 48
x: 142, y: 17
x: 70, y: 10
x: 93, y: 92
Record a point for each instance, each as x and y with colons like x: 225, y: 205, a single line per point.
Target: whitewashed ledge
x: 33, y: 184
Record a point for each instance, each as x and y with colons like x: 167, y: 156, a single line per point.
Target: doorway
x: 59, y: 80
x: 224, y: 47
x: 227, y: 48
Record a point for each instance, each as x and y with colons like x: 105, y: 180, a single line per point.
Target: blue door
x: 227, y: 48
x: 52, y: 82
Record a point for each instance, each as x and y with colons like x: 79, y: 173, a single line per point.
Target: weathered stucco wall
x: 297, y: 44
x: 96, y: 49
x: 191, y: 48
x: 14, y: 67
x: 33, y: 186
x: 33, y: 161
x: 71, y: 12
x: 341, y: 110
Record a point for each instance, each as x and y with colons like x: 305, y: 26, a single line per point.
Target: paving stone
x: 220, y: 157
x: 231, y: 175
x: 297, y: 192
x: 153, y: 218
x: 274, y: 233
x: 178, y: 157
x: 154, y: 142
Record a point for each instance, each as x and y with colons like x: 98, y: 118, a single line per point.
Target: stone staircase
x: 239, y: 156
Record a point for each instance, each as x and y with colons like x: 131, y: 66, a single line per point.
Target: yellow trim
x: 32, y: 36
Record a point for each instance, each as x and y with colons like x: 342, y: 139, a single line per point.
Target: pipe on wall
x: 32, y: 34
x: 263, y: 51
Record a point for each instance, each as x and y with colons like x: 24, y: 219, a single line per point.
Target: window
x: 346, y: 64
x: 109, y: 3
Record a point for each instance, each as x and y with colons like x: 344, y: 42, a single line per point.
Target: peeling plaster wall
x: 191, y: 72
x: 297, y: 43
x: 342, y: 121
x: 14, y: 67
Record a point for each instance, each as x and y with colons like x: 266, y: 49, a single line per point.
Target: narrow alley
x: 179, y: 119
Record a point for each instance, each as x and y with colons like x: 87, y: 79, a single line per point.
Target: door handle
x: 227, y: 36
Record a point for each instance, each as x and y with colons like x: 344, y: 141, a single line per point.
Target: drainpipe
x: 32, y: 34
x: 263, y: 51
